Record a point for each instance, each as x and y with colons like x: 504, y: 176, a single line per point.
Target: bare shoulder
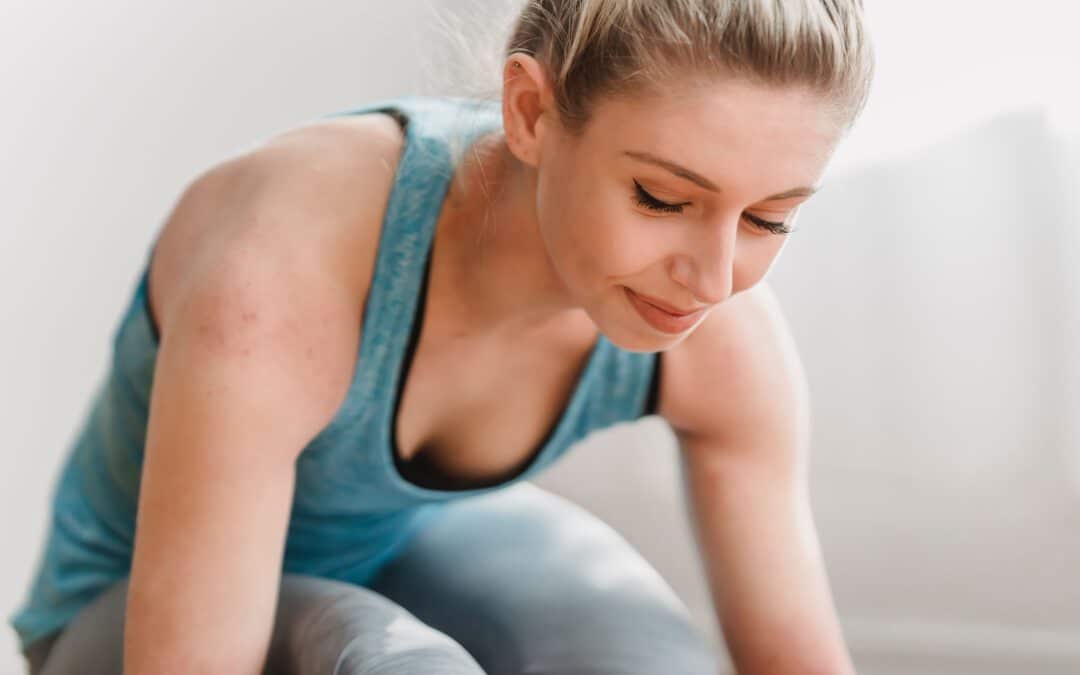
x: 278, y: 244
x: 737, y: 378
x: 313, y: 196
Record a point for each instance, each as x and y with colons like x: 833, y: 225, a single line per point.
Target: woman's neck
x: 491, y: 270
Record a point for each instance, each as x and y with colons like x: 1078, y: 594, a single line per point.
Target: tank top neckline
x: 418, y: 128
x: 420, y: 468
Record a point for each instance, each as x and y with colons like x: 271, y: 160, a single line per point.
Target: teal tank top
x: 355, y: 502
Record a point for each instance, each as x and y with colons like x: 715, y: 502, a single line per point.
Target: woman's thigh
x: 321, y: 627
x: 531, y: 583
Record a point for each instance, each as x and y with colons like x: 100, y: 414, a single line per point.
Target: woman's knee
x: 614, y: 608
x: 569, y: 592
x: 328, y: 626
x: 619, y: 620
x: 619, y: 638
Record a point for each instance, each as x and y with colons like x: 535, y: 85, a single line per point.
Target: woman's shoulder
x: 305, y: 205
x: 738, y: 372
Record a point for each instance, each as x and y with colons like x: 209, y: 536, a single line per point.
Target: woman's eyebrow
x: 698, y: 179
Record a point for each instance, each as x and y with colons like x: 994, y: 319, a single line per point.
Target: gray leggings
x: 518, y: 581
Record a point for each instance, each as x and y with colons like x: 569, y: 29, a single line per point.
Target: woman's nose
x: 707, y: 269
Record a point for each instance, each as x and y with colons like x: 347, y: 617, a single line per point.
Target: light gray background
x: 931, y: 290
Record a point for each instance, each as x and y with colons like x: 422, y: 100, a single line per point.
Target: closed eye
x: 775, y: 228
x: 644, y: 199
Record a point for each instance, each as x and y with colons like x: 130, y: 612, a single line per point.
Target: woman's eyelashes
x: 775, y: 228
x: 644, y: 199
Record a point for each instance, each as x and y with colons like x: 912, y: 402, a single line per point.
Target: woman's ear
x: 527, y: 106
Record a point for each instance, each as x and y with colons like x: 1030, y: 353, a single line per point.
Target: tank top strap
x: 437, y: 132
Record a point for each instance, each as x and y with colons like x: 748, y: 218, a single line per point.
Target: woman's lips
x: 661, y: 319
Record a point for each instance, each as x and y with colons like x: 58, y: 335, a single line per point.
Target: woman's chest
x: 478, y: 410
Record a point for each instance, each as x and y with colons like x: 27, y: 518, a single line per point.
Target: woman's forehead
x: 731, y: 111
x: 708, y: 129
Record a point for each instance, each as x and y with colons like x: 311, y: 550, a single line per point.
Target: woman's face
x: 683, y: 200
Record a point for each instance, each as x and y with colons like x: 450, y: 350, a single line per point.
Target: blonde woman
x: 350, y: 346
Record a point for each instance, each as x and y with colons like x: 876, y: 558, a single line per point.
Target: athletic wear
x: 353, y: 508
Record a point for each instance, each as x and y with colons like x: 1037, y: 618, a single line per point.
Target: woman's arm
x: 241, y: 385
x: 737, y: 400
x: 258, y: 348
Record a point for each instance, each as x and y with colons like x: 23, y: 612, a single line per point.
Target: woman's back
x: 353, y: 504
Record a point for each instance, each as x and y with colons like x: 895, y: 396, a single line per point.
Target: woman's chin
x: 641, y: 339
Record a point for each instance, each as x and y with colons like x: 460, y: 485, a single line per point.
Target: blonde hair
x: 592, y: 49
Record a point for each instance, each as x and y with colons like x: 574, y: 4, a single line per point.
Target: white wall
x: 946, y: 64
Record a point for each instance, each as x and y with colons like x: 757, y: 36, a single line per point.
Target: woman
x: 512, y: 277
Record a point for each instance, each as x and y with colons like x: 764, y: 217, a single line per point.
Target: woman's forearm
x: 764, y: 567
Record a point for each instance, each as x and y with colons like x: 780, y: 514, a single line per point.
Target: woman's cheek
x: 638, y: 242
x: 753, y: 265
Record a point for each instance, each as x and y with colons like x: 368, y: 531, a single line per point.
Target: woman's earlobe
x: 520, y: 126
x: 526, y: 98
x: 525, y: 151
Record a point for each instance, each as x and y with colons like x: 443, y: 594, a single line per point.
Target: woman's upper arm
x: 258, y: 347
x: 255, y: 362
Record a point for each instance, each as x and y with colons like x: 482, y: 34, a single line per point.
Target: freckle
x: 310, y: 352
x: 248, y: 316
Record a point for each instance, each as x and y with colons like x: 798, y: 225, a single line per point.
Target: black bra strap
x: 653, y: 403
